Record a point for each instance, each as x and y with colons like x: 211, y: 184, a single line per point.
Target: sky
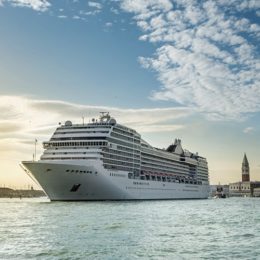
x: 185, y: 69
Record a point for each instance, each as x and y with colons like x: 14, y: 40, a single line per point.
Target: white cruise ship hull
x: 73, y: 180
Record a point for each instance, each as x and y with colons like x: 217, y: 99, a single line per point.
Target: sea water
x: 174, y: 229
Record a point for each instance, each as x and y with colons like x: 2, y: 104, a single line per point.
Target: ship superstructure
x: 104, y: 160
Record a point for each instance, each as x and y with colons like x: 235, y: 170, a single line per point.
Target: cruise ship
x: 104, y: 160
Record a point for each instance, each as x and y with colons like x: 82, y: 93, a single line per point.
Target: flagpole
x: 35, y: 149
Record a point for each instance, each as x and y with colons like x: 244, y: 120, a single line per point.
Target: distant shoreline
x: 10, y: 193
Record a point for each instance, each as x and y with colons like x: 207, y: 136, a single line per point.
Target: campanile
x: 245, y: 170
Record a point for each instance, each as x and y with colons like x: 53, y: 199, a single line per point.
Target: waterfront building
x: 256, y: 192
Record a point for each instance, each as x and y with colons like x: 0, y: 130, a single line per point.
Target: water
x: 183, y: 229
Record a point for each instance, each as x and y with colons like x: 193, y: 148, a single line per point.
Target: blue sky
x: 186, y: 69
x: 64, y: 53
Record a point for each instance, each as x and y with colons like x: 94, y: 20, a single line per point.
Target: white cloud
x: 206, y: 55
x: 94, y: 12
x: 108, y: 24
x: 204, y: 58
x: 76, y: 17
x: 114, y: 10
x: 62, y: 16
x: 158, y: 128
x: 249, y: 129
x: 145, y: 6
x: 27, y: 118
x: 95, y: 5
x: 37, y: 5
x: 248, y: 4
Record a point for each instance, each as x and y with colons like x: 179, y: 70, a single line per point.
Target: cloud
x: 76, y: 17
x: 206, y: 56
x: 37, y: 5
x: 30, y: 118
x: 142, y: 117
x: 249, y: 129
x: 62, y: 16
x: 158, y: 128
x: 7, y: 127
x: 114, y: 10
x: 108, y: 24
x: 95, y: 9
x: 95, y: 5
x: 144, y: 7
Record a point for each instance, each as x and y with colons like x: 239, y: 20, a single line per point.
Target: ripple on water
x: 203, y: 229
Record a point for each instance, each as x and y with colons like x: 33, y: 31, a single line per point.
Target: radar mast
x: 104, y: 116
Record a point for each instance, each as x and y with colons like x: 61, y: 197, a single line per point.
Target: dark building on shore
x: 245, y: 187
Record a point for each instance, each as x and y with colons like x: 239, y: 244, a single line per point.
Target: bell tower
x: 245, y: 169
